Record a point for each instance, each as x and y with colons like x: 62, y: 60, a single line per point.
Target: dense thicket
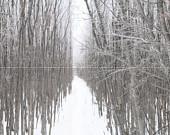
x: 35, y: 46
x: 128, y: 64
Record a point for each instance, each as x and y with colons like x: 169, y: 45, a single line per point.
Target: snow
x: 79, y: 116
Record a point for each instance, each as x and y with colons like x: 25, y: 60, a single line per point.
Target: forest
x: 126, y: 64
x: 127, y: 59
x: 35, y: 45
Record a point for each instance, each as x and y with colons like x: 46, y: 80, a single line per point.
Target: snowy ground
x: 79, y: 116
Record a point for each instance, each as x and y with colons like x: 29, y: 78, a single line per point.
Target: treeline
x: 35, y: 48
x: 128, y: 62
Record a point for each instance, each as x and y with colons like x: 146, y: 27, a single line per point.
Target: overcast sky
x: 79, y: 27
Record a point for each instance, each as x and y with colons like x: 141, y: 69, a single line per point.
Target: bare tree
x: 35, y: 38
x: 129, y: 59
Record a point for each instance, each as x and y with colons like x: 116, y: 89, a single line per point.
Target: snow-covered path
x: 78, y: 115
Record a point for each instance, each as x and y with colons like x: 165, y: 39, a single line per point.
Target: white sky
x: 80, y: 27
